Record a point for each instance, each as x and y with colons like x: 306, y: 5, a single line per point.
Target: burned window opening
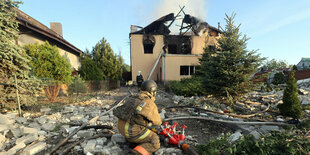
x: 178, y: 44
x: 172, y: 49
x: 148, y: 44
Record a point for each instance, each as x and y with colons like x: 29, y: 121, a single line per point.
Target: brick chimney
x: 57, y: 27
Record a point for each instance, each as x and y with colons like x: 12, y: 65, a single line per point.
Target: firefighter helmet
x: 149, y: 86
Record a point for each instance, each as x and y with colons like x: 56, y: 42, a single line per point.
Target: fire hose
x: 171, y: 136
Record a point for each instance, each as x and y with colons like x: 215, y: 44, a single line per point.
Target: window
x: 172, y: 49
x: 187, y: 70
x: 148, y: 48
x: 148, y: 44
x: 178, y: 44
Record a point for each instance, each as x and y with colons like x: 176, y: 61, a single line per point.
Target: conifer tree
x: 291, y: 105
x: 107, y: 61
x: 13, y: 60
x: 89, y: 69
x: 226, y: 68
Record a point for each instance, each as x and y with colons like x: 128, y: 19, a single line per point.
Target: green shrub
x: 274, y: 143
x: 279, y: 78
x: 221, y: 145
x: 291, y: 105
x: 187, y: 87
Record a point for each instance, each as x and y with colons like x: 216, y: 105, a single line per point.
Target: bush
x: 187, y: 87
x: 274, y: 143
x: 279, y: 78
x: 291, y: 105
x: 47, y: 63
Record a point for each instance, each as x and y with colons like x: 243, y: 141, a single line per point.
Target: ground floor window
x: 187, y: 70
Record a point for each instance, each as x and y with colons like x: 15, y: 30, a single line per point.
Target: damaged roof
x: 34, y: 25
x: 189, y: 22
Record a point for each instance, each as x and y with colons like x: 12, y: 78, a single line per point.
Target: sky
x: 278, y: 29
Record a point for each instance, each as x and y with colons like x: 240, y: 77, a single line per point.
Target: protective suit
x: 134, y: 117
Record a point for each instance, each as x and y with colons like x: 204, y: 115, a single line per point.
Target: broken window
x: 178, y: 44
x: 187, y: 70
x: 172, y: 49
x: 148, y: 44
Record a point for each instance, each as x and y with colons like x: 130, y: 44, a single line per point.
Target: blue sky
x: 279, y: 29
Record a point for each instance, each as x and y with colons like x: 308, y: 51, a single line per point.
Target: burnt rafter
x: 161, y: 26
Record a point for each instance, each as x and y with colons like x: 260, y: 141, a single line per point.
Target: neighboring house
x: 32, y: 31
x: 304, y: 64
x: 171, y: 57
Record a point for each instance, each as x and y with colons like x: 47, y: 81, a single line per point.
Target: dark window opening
x: 148, y: 44
x: 172, y: 49
x: 178, y: 44
x: 185, y: 49
x: 191, y: 70
x: 184, y: 70
x: 148, y: 48
x: 187, y: 70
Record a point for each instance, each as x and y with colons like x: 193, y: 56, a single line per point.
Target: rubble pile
x: 261, y: 104
x: 30, y: 135
x: 40, y: 132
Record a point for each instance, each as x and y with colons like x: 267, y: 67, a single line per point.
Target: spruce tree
x: 107, y: 61
x: 13, y: 60
x: 291, y: 105
x: 89, y: 69
x: 226, y: 68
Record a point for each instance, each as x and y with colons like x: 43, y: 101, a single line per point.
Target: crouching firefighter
x: 136, y: 115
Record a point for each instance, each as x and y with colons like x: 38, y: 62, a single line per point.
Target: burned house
x: 163, y: 56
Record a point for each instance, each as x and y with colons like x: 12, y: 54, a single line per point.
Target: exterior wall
x: 173, y: 63
x: 170, y: 64
x: 31, y: 39
x: 144, y: 62
x: 199, y: 42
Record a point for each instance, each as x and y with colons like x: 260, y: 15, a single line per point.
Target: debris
x: 36, y: 148
x: 235, y: 136
x: 118, y: 138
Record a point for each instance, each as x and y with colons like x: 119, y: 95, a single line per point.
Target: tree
x: 13, y: 60
x: 274, y: 64
x: 89, y: 69
x: 291, y: 105
x: 279, y: 78
x: 107, y: 61
x: 226, y: 68
x: 47, y: 63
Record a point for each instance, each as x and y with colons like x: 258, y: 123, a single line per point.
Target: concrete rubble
x: 32, y: 134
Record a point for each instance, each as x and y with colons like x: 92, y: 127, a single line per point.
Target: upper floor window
x: 148, y: 44
x: 178, y: 44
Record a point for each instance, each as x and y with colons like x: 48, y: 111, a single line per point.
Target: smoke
x: 193, y: 7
